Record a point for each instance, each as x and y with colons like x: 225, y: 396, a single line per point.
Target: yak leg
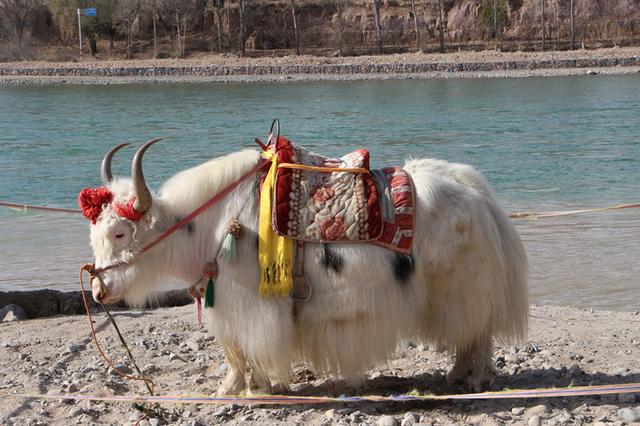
x: 482, y: 376
x: 473, y: 366
x: 259, y: 383
x: 234, y: 383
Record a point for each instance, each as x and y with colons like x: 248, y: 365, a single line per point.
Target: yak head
x: 123, y: 220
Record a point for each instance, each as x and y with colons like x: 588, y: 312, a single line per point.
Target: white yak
x: 465, y: 284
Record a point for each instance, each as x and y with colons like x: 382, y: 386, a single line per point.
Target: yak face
x: 122, y: 218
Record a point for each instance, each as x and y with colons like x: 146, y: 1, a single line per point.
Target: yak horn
x: 105, y: 168
x: 143, y: 195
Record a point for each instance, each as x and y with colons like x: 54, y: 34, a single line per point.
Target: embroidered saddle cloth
x: 314, y: 200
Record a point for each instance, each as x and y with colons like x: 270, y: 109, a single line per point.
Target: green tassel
x: 229, y: 248
x: 208, y: 295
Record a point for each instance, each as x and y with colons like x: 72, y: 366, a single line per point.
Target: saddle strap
x: 301, y: 285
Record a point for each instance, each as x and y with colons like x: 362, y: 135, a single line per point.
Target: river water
x: 544, y: 144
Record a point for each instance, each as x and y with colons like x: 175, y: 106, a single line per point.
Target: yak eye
x: 119, y: 235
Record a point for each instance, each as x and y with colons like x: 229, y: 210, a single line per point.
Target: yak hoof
x: 470, y: 380
x: 233, y: 384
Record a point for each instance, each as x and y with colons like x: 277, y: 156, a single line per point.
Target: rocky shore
x: 566, y: 347
x: 226, y: 68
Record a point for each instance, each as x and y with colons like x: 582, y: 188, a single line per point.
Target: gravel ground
x: 566, y: 347
x: 229, y: 68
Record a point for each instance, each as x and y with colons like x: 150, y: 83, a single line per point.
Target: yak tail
x: 510, y: 320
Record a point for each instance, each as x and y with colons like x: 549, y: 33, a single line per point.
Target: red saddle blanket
x: 315, y: 201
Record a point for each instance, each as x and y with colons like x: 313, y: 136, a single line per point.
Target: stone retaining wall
x: 46, y: 303
x: 339, y: 69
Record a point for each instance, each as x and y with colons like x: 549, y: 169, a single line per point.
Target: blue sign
x: 90, y: 11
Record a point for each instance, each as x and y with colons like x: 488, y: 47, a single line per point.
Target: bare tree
x: 542, y: 23
x: 214, y: 7
x: 415, y: 22
x: 126, y: 13
x: 15, y: 15
x: 573, y: 24
x: 296, y: 39
x: 376, y: 7
x: 441, y: 13
x: 154, y: 18
x: 495, y: 18
x: 174, y: 17
x: 242, y: 9
x: 557, y: 24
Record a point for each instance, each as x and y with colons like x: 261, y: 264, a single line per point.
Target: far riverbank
x: 227, y: 68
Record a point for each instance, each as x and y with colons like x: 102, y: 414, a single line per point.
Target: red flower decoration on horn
x: 127, y: 211
x: 91, y: 200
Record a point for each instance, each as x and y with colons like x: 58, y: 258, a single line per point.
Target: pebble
x: 134, y: 417
x: 12, y: 312
x: 154, y: 422
x: 122, y: 367
x: 410, y: 419
x: 575, y: 370
x: 623, y: 372
x: 75, y: 411
x: 149, y: 368
x: 222, y: 411
x: 629, y: 415
x: 54, y: 391
x: 537, y: 410
x: 564, y: 418
x: 534, y: 420
x: 194, y: 346
x: 330, y: 414
x: 517, y: 411
x: 73, y: 348
x: 387, y: 421
x: 511, y: 358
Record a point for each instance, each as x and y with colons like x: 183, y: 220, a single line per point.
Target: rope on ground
x: 521, y: 215
x: 307, y: 400
x: 25, y: 207
x: 542, y: 215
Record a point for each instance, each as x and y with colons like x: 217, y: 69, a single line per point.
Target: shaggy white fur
x: 468, y: 283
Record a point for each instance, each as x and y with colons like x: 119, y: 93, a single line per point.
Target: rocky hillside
x: 325, y: 26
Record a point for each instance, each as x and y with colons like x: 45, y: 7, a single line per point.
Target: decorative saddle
x: 340, y: 200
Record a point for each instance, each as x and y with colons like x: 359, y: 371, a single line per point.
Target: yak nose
x: 98, y: 291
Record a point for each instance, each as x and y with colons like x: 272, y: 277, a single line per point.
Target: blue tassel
x: 229, y: 248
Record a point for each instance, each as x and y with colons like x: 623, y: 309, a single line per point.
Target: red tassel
x: 91, y: 200
x: 127, y: 211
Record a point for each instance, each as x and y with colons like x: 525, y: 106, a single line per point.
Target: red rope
x: 148, y: 382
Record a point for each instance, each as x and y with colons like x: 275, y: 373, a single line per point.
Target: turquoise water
x: 543, y: 143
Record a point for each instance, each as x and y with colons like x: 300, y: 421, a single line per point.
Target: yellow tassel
x: 275, y: 253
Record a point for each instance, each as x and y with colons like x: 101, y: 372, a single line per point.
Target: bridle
x: 95, y: 272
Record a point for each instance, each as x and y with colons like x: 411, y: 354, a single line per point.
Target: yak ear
x: 147, y: 220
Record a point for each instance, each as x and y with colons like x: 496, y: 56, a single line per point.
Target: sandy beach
x: 565, y: 347
x: 230, y: 68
